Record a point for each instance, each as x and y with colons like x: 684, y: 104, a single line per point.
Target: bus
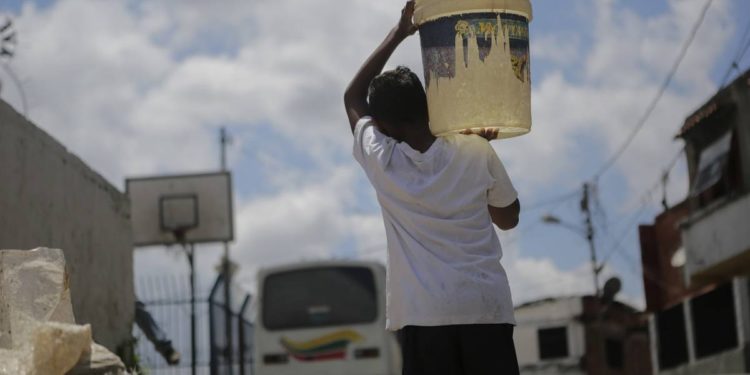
x: 323, y: 317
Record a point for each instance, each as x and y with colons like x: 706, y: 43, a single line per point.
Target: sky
x: 139, y: 88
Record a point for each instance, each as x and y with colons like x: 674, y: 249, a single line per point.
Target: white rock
x: 33, y: 289
x: 13, y: 362
x: 57, y: 347
x: 38, y: 334
x: 99, y: 361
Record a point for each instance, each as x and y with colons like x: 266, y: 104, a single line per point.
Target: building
x: 696, y: 255
x: 581, y: 335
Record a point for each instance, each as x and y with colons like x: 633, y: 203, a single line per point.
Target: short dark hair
x: 397, y: 96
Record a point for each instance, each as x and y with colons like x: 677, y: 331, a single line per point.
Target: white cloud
x: 139, y: 89
x: 629, y: 58
x: 295, y: 224
x: 556, y: 48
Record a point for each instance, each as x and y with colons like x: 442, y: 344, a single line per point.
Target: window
x: 712, y: 164
x: 714, y: 321
x: 671, y: 337
x: 613, y: 352
x: 553, y: 342
x: 318, y: 297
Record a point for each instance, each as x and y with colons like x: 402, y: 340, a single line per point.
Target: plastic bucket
x: 475, y: 55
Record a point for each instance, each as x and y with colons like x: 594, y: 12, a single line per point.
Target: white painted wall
x: 548, y: 314
x: 715, y: 236
x: 50, y: 198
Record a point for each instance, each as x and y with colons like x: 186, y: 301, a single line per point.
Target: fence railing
x: 223, y: 329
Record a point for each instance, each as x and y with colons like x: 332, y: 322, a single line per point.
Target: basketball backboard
x: 198, y: 206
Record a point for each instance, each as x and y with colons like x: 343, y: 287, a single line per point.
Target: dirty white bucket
x: 475, y: 55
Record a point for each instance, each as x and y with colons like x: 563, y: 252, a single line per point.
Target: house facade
x: 581, y: 335
x: 696, y: 255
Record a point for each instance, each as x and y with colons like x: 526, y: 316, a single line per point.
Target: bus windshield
x: 318, y: 297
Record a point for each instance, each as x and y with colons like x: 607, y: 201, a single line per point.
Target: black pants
x: 469, y: 349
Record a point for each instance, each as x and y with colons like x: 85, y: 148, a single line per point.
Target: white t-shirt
x: 443, y: 252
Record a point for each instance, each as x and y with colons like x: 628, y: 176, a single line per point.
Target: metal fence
x: 223, y: 341
x: 230, y: 335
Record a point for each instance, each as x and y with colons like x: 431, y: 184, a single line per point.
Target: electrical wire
x: 740, y: 54
x: 535, y: 224
x: 646, y: 201
x: 665, y: 172
x: 643, y: 197
x: 652, y: 105
x: 642, y: 272
x: 550, y: 201
x: 630, y: 225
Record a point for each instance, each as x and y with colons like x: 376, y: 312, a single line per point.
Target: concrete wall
x: 49, y: 197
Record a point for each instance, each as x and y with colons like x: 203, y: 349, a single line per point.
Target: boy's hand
x: 355, y: 96
x: 406, y: 24
x: 488, y: 134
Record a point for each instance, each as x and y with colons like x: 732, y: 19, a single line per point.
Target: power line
x: 740, y: 54
x: 551, y: 201
x: 641, y: 123
x: 650, y: 109
x: 646, y: 273
x: 644, y: 204
x: 618, y: 249
x: 666, y: 170
x: 529, y: 227
x: 634, y: 218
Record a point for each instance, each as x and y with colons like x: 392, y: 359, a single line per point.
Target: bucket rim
x: 428, y: 10
x: 461, y: 12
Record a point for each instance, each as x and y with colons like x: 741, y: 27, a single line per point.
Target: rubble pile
x: 38, y: 332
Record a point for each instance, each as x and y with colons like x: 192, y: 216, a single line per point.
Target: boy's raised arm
x: 355, y: 97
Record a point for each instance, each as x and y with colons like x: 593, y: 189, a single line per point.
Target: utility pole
x: 585, y: 208
x: 224, y: 140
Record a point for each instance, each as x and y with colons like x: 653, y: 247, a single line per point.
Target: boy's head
x: 396, y: 97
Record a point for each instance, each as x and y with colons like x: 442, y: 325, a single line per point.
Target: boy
x: 446, y: 291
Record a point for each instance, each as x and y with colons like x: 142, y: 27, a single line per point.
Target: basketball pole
x: 170, y: 204
x: 224, y: 140
x: 189, y: 249
x: 193, y: 356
